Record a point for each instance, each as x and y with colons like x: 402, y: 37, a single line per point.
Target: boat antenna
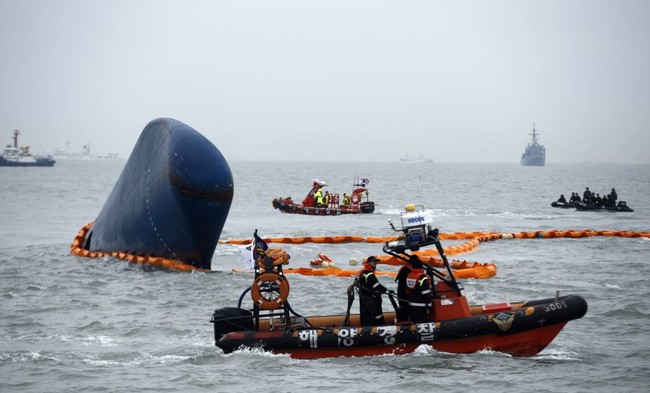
x: 16, y: 133
x: 534, y: 134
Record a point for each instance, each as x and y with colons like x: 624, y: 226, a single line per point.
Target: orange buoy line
x: 172, y: 264
x: 474, y: 238
x: 462, y: 269
x: 473, y: 270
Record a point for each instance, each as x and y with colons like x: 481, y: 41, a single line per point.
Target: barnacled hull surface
x: 170, y: 201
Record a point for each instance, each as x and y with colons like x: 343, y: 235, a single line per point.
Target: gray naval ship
x: 535, y: 153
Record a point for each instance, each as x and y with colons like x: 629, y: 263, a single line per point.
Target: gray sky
x: 456, y: 81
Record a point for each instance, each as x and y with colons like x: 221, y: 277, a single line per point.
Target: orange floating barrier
x: 461, y: 270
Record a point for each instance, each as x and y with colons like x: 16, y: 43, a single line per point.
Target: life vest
x: 363, y: 273
x: 362, y: 277
x: 318, y: 196
x: 415, y: 279
x: 418, y: 296
x: 346, y: 200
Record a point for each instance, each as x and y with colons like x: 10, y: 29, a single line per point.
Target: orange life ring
x: 324, y: 258
x: 270, y: 291
x: 356, y: 199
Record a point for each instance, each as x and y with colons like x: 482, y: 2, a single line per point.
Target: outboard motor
x: 231, y: 319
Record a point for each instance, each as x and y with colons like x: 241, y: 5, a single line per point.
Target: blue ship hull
x: 171, y: 200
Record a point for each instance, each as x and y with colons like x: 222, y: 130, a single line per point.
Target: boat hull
x: 619, y: 209
x: 536, y: 160
x: 566, y: 205
x: 521, y: 332
x: 41, y: 162
x: 293, y: 208
x: 170, y: 201
x: 587, y: 206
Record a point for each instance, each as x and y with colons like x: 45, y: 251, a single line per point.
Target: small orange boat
x: 520, y: 329
x: 357, y: 202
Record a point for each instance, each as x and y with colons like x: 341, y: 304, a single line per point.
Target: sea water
x: 104, y: 325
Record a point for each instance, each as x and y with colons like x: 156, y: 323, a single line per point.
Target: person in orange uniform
x: 418, y: 287
x: 370, y: 291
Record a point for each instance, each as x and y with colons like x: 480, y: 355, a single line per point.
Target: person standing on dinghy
x: 418, y: 287
x: 402, y: 313
x: 370, y: 291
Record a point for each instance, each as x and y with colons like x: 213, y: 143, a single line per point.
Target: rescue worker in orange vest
x: 418, y: 287
x: 370, y: 291
x: 402, y: 313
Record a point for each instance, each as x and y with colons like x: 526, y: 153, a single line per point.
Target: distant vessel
x: 535, y: 153
x: 12, y: 155
x: 84, y: 154
x: 416, y: 160
x: 334, y: 205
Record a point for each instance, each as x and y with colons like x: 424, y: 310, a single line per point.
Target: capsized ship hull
x: 171, y: 200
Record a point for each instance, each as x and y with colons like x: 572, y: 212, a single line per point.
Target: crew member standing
x: 318, y: 197
x: 402, y: 313
x: 418, y: 285
x: 613, y: 197
x: 370, y: 291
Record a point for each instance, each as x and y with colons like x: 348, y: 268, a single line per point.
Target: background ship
x: 14, y: 155
x: 535, y: 153
x: 417, y: 160
x: 84, y: 154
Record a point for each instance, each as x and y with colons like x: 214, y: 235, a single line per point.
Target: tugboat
x: 520, y: 329
x: 12, y: 155
x: 535, y: 153
x: 334, y: 205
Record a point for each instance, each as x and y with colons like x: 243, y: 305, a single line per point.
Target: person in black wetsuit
x: 370, y: 291
x: 562, y: 199
x: 402, y: 294
x: 613, y: 197
x: 597, y: 200
x: 586, y: 196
